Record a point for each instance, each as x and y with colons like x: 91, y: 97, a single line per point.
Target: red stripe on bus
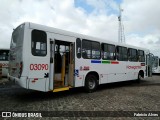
x: 114, y: 62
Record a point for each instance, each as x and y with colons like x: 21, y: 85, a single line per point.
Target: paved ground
x: 119, y: 97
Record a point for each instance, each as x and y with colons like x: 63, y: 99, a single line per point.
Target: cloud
x: 140, y: 18
x: 142, y: 15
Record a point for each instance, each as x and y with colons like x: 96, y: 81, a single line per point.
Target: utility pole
x: 121, y: 36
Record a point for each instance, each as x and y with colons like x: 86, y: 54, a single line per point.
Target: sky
x: 97, y: 18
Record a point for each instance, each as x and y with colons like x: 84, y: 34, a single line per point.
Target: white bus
x: 156, y: 65
x: 4, y: 61
x: 49, y: 59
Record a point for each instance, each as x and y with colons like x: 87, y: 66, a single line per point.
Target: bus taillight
x: 20, y: 69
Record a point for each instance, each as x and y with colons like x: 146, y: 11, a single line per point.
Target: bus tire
x: 140, y: 76
x: 91, y: 83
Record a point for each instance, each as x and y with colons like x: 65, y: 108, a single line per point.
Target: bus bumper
x: 10, y: 78
x: 21, y: 82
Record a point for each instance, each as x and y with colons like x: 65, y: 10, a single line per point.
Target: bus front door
x: 63, y: 65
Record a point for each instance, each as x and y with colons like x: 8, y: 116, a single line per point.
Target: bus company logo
x: 86, y: 68
x: 6, y: 114
x: 134, y: 67
x: 19, y: 114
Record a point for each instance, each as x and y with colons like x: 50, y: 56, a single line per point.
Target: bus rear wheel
x: 91, y: 83
x: 140, y: 77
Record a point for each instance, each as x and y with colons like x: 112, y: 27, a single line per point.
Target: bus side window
x: 132, y: 54
x: 39, y: 43
x: 108, y: 51
x: 90, y: 49
x: 96, y: 54
x: 78, y: 47
x: 141, y: 56
x: 86, y: 49
x: 121, y: 53
x: 124, y: 52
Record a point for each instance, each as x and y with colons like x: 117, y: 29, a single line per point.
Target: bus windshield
x: 4, y: 55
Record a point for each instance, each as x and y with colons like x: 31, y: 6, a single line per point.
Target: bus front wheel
x: 91, y: 83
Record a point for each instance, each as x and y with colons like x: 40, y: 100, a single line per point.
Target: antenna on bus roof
x: 121, y: 36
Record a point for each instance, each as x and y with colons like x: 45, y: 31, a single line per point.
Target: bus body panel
x: 37, y: 69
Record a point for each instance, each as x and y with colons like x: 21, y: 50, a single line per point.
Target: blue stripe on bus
x: 95, y: 61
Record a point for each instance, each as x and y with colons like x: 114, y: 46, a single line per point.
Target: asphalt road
x: 119, y: 98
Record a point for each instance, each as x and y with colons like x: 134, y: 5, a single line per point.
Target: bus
x: 156, y: 65
x: 49, y: 59
x: 4, y: 61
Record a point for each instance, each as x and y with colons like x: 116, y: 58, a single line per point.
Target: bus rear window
x: 17, y: 37
x: 39, y: 43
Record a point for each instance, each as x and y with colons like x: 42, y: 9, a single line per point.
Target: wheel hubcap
x: 91, y: 84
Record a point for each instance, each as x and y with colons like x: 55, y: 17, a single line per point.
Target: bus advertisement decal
x: 86, y: 68
x: 134, y: 67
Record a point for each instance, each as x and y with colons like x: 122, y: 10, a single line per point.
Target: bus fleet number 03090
x: 38, y: 66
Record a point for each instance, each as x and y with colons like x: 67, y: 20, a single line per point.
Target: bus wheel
x: 91, y: 83
x: 140, y: 77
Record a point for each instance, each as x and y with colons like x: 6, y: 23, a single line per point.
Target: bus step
x: 58, y: 83
x: 61, y: 89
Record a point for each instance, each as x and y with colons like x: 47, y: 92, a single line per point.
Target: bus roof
x: 77, y: 35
